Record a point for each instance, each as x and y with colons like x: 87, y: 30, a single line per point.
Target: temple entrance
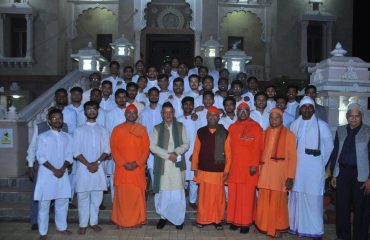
x: 162, y: 47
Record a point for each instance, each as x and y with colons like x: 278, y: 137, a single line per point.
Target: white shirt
x: 142, y: 98
x: 163, y: 97
x: 219, y: 101
x: 191, y: 127
x: 310, y: 173
x: 261, y: 118
x: 149, y: 118
x: 177, y: 105
x: 216, y: 75
x: 270, y: 104
x: 86, y: 96
x: 91, y: 140
x: 70, y: 118
x: 193, y: 71
x: 114, y: 117
x: 202, y: 117
x: 150, y: 84
x: 186, y: 83
x: 100, y: 119
x: 291, y: 108
x: 115, y: 81
x: 227, y: 121
x: 192, y: 94
x: 107, y: 104
x: 76, y: 109
x: 287, y: 119
x: 56, y: 148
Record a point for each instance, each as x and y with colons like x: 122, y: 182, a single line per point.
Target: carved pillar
x: 304, y: 25
x: 197, y: 35
x: 333, y: 110
x: 329, y: 37
x: 137, y: 37
x: 29, y: 18
x: 2, y: 34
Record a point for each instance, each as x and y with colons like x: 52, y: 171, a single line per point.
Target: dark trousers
x: 35, y: 204
x: 350, y: 195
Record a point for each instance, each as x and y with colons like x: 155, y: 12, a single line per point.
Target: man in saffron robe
x: 130, y: 148
x: 211, y: 170
x: 277, y: 171
x: 246, y: 139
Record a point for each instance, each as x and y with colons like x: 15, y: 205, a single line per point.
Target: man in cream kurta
x: 168, y: 143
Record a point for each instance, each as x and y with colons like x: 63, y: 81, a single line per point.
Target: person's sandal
x: 200, y: 225
x: 81, y: 231
x: 219, y: 226
x: 96, y: 228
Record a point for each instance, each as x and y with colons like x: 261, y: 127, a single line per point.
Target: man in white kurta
x: 113, y: 118
x: 314, y: 146
x: 169, y: 167
x: 54, y: 154
x: 230, y: 116
x: 261, y: 113
x: 178, y: 90
x: 95, y: 95
x: 91, y: 148
x: 151, y: 116
x: 107, y: 102
x: 192, y: 124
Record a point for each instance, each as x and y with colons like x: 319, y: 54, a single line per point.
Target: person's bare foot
x: 96, y: 228
x: 64, y: 232
x: 82, y: 231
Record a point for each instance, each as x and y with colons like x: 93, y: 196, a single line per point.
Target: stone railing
x: 255, y: 70
x: 35, y: 112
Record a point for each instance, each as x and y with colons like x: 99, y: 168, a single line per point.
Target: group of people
x: 261, y: 158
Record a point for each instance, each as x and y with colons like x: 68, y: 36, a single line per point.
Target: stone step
x: 21, y: 212
x: 25, y: 195
x: 22, y: 182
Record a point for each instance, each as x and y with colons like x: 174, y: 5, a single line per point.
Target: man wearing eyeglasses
x: 246, y: 140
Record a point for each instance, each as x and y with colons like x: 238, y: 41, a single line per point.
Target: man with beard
x: 54, y: 154
x: 261, y: 113
x: 192, y: 124
x: 314, y: 146
x: 132, y: 90
x: 91, y: 148
x: 150, y: 117
x: 246, y: 139
x: 178, y: 89
x: 113, y: 118
x: 96, y: 96
x: 114, y: 78
x: 211, y: 163
x: 230, y: 116
x: 130, y: 149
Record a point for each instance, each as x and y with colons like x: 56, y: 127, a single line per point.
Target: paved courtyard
x: 20, y: 231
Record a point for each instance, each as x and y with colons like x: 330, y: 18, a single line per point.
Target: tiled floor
x: 20, y: 231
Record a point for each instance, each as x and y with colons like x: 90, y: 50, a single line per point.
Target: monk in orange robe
x: 130, y: 149
x: 277, y: 171
x: 246, y: 141
x: 210, y: 163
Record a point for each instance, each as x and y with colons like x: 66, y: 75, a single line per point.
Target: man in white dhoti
x: 191, y: 124
x: 150, y: 117
x: 91, y: 148
x: 54, y: 155
x: 113, y: 118
x: 314, y: 146
x: 168, y: 143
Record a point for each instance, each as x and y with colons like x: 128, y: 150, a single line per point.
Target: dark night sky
x: 361, y: 29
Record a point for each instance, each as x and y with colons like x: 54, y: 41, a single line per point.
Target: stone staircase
x: 16, y: 199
